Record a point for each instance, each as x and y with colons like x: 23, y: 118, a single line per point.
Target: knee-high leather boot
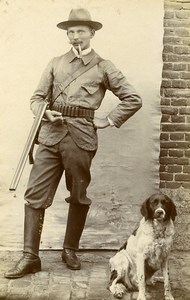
x: 75, y: 224
x: 30, y: 262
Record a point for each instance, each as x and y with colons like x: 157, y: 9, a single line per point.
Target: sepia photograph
x: 95, y: 149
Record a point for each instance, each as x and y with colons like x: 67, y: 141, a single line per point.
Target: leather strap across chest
x: 95, y: 60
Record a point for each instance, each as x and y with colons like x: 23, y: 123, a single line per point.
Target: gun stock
x: 28, y: 145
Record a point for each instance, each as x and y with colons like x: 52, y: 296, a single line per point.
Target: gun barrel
x: 27, y: 147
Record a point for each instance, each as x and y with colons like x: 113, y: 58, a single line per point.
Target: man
x: 77, y: 82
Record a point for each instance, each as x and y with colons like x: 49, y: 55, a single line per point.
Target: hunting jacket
x: 86, y: 91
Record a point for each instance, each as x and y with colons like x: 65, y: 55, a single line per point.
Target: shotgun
x: 29, y: 145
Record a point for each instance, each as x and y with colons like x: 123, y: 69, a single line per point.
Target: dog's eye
x: 155, y: 201
x: 163, y: 202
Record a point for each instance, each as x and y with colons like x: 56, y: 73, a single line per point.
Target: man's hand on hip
x: 101, y: 123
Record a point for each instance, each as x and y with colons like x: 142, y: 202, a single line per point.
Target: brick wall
x: 175, y: 123
x: 175, y: 97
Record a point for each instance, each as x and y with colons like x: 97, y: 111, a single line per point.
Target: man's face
x: 80, y: 35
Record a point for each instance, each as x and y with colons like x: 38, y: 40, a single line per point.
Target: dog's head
x: 159, y: 207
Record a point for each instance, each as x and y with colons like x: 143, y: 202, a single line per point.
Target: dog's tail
x: 123, y: 247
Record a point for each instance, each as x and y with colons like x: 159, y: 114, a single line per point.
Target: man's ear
x: 92, y: 32
x: 145, y: 209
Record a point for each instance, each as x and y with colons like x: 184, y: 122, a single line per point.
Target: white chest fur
x: 155, y: 241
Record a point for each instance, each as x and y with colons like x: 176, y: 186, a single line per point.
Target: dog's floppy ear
x: 145, y: 209
x: 173, y: 211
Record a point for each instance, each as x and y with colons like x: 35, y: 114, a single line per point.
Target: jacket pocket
x: 90, y: 89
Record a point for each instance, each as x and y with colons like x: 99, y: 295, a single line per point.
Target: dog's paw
x: 141, y: 297
x: 118, y: 290
x: 150, y: 281
x: 154, y: 279
x: 168, y: 296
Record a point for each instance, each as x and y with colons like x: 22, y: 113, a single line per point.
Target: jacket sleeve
x: 130, y: 103
x: 43, y: 88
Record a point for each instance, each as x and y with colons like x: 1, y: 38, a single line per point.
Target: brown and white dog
x: 146, y: 250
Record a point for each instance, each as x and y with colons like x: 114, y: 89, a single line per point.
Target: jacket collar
x: 83, y: 52
x: 86, y: 58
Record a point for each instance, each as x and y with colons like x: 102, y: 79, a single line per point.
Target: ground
x: 56, y: 282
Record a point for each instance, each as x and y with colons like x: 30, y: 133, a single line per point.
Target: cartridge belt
x: 74, y: 111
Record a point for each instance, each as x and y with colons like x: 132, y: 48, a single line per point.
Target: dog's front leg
x: 167, y: 288
x: 141, y: 276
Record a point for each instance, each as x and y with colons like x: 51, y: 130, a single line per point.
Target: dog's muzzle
x: 159, y: 213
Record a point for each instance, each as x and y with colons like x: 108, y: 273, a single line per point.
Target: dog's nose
x: 159, y: 213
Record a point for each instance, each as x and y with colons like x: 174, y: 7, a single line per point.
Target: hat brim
x: 66, y: 24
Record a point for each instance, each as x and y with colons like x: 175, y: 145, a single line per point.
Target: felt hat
x: 79, y: 16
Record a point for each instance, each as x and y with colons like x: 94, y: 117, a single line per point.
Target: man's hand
x: 101, y: 123
x: 54, y: 116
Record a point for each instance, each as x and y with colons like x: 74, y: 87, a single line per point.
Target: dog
x: 146, y: 250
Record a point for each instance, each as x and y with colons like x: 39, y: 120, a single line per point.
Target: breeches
x: 50, y: 163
